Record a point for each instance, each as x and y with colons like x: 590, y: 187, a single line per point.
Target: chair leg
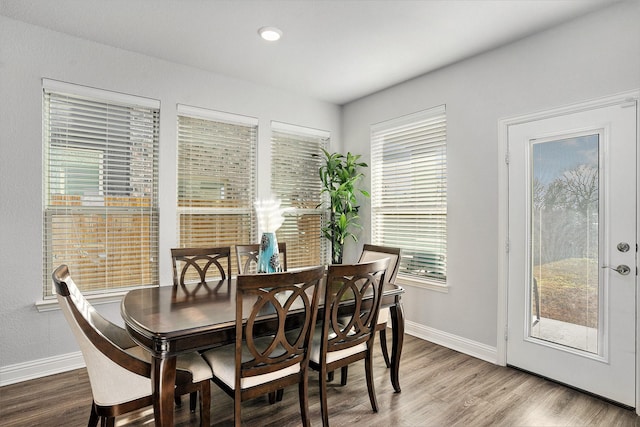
x: 193, y: 400
x: 324, y: 409
x: 303, y: 392
x: 368, y: 367
x: 178, y: 400
x: 272, y: 397
x: 344, y: 371
x: 279, y: 395
x: 205, y: 403
x: 237, y: 400
x: 330, y: 376
x: 383, y: 345
x: 93, y: 417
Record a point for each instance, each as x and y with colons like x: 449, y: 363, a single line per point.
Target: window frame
x: 137, y: 197
x: 303, y: 133
x: 433, y: 203
x: 218, y: 119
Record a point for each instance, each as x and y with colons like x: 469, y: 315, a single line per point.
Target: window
x: 100, y: 201
x: 296, y: 156
x: 216, y: 177
x: 409, y: 192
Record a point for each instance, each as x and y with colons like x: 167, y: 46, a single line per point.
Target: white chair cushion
x: 107, y: 377
x: 383, y: 315
x: 190, y: 362
x: 368, y: 256
x: 194, y: 363
x: 222, y: 362
x: 332, y: 356
x: 112, y: 384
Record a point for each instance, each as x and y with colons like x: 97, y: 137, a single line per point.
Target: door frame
x: 503, y: 212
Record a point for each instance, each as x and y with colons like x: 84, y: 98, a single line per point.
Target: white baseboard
x: 66, y: 362
x: 454, y: 342
x: 40, y: 368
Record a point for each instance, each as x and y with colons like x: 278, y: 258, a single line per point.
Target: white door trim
x: 503, y: 213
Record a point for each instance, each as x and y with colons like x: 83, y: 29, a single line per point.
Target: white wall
x: 594, y: 56
x: 591, y: 57
x: 29, y: 53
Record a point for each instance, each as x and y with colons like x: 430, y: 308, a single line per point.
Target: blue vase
x: 268, y: 255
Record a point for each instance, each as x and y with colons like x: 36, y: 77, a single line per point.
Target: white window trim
x: 303, y: 131
x: 387, y: 125
x: 102, y: 94
x: 50, y: 303
x: 205, y: 114
x: 183, y: 110
x: 423, y: 284
x: 295, y: 129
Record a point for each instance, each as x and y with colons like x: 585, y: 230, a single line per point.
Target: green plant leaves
x: 339, y: 175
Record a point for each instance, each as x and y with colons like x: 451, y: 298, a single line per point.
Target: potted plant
x: 340, y: 175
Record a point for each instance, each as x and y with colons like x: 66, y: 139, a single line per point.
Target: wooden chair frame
x: 363, y: 284
x: 390, y: 277
x: 192, y: 258
x: 111, y: 341
x: 269, y: 321
x: 200, y: 259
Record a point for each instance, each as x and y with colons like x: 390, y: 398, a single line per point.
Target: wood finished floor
x: 440, y: 387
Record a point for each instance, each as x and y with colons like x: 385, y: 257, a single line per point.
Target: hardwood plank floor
x: 440, y: 387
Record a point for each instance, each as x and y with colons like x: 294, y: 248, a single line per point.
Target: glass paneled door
x: 565, y: 235
x: 572, y: 252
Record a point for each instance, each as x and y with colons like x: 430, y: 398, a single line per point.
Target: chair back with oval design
x: 271, y: 350
x: 353, y: 294
x: 200, y: 265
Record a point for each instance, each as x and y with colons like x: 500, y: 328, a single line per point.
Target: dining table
x: 171, y: 320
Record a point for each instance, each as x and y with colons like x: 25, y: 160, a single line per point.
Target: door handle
x: 622, y: 269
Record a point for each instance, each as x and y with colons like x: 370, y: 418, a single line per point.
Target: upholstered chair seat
x: 120, y: 370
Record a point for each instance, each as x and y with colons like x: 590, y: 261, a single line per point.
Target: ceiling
x: 332, y: 50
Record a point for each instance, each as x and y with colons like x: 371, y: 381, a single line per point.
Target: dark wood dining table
x: 171, y: 320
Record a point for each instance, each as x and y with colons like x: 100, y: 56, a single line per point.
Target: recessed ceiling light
x: 270, y: 33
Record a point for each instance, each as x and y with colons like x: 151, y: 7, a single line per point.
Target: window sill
x: 423, y: 284
x: 51, y: 304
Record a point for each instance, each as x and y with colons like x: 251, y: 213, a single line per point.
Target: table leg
x: 397, y: 325
x: 163, y: 380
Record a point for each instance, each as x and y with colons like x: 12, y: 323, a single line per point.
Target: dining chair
x: 119, y: 370
x: 271, y: 351
x: 371, y: 253
x: 353, y: 294
x: 247, y: 257
x: 195, y: 264
x: 247, y: 262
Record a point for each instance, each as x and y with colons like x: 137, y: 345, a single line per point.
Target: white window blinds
x: 409, y: 191
x: 296, y: 156
x: 216, y: 178
x: 100, y: 201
